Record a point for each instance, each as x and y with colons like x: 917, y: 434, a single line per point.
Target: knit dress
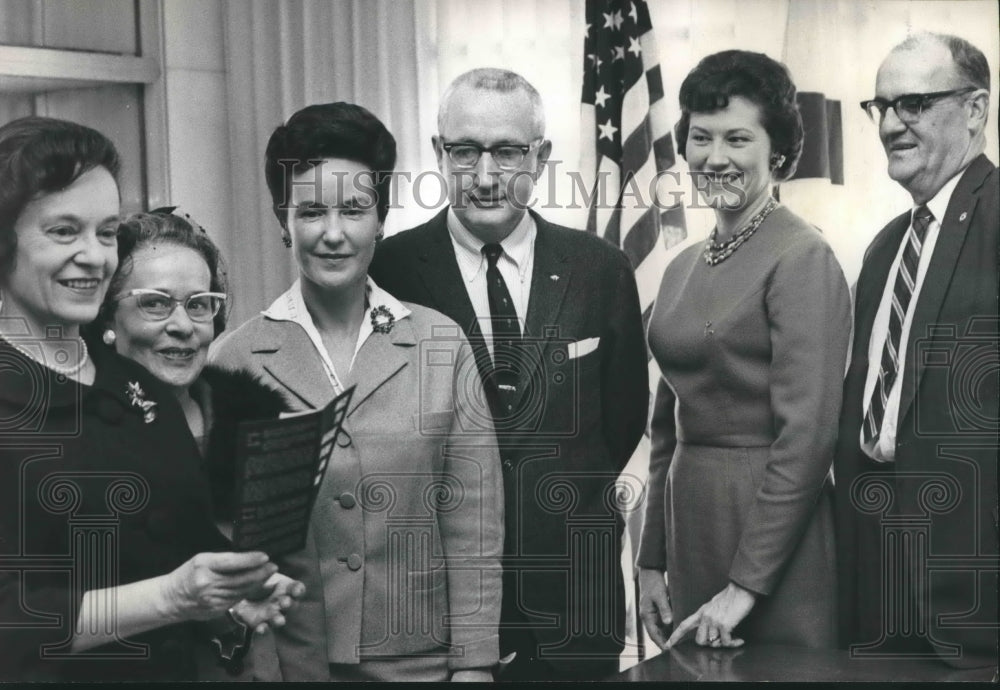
x: 752, y: 352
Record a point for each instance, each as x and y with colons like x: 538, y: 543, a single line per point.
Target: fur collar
x: 231, y: 397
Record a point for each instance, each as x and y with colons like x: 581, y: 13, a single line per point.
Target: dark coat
x: 581, y: 414
x: 84, y: 481
x: 942, y: 488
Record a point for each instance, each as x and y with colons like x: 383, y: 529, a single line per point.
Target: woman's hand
x: 208, y: 584
x: 715, y: 620
x: 654, y: 605
x: 269, y: 613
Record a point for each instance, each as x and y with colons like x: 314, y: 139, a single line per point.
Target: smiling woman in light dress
x: 750, y: 330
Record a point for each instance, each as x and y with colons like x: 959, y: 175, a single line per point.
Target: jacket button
x: 347, y: 500
x: 343, y: 439
x: 508, y: 466
x: 354, y: 561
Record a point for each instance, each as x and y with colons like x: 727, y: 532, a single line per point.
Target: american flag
x: 627, y: 141
x: 627, y: 146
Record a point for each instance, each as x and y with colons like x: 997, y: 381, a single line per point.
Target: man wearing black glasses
x: 916, y: 463
x: 554, y: 321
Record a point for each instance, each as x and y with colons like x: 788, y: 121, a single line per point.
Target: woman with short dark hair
x: 750, y: 330
x: 407, y: 530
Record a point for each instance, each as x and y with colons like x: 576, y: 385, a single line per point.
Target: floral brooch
x: 382, y: 319
x: 137, y: 397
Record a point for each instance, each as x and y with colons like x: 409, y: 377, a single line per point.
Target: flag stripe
x: 627, y: 134
x: 642, y: 236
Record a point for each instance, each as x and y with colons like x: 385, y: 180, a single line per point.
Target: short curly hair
x: 756, y: 77
x: 39, y: 156
x: 329, y: 130
x: 142, y: 229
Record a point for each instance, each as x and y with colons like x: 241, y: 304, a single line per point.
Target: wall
x: 198, y: 116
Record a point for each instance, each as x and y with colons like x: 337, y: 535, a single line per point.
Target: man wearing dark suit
x: 553, y: 318
x: 916, y: 463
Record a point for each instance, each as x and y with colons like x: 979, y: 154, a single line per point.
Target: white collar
x: 517, y: 246
x: 291, y: 306
x: 938, y: 205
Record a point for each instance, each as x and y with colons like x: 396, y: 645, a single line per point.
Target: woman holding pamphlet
x: 113, y: 567
x: 164, y: 306
x: 402, y: 557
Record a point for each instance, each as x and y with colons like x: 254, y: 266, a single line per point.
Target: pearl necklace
x: 716, y: 252
x: 65, y: 371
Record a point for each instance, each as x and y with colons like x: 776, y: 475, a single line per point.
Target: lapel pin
x: 554, y: 277
x: 963, y: 216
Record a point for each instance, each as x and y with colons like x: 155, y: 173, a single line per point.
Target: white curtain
x: 282, y: 56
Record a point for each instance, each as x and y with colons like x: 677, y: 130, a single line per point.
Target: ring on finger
x: 713, y: 636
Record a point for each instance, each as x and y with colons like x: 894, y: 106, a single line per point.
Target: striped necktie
x: 902, y: 293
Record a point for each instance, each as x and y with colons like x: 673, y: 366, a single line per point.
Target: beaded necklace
x: 717, y: 252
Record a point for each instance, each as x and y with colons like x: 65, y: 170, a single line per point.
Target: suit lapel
x: 951, y: 238
x: 382, y: 356
x: 291, y: 359
x: 438, y: 269
x: 441, y: 276
x: 550, y: 279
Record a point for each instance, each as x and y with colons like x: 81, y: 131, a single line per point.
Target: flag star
x: 633, y: 46
x: 609, y: 20
x: 592, y: 57
x: 618, y: 19
x: 600, y: 97
x: 632, y: 13
x: 608, y: 130
x: 619, y: 52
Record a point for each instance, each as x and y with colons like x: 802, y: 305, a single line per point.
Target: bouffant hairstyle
x: 329, y: 130
x: 162, y: 227
x: 759, y: 79
x: 39, y: 156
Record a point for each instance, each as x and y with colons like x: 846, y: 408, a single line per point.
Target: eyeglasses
x: 506, y: 156
x: 158, y: 306
x: 909, y: 106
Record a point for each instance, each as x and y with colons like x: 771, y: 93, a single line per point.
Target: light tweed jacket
x: 406, y: 534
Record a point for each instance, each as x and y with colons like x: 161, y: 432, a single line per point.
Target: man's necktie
x: 902, y: 293
x: 506, y: 331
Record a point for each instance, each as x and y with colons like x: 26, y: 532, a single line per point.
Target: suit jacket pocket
x: 410, y: 619
x: 426, y: 580
x: 433, y: 422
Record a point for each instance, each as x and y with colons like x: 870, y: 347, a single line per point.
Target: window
x: 97, y: 63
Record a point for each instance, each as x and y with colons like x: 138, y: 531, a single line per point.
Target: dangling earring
x: 287, y: 240
x: 777, y: 160
x: 109, y: 337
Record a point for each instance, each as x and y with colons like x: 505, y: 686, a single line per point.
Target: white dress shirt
x: 515, y: 266
x: 291, y: 306
x: 883, y: 447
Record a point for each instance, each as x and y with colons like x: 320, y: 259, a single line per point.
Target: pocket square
x: 582, y: 347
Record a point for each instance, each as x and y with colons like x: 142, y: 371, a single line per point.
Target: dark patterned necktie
x: 506, y: 331
x: 902, y: 293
